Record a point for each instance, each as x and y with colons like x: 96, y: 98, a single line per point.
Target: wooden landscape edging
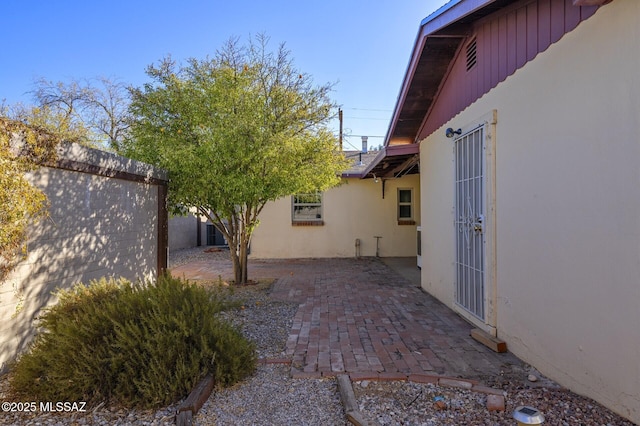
x: 195, y: 401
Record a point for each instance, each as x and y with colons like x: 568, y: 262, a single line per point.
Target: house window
x: 306, y: 209
x: 405, y: 206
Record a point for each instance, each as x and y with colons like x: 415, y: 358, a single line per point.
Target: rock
x: 495, y: 402
x: 463, y: 384
x: 532, y: 378
x: 441, y: 405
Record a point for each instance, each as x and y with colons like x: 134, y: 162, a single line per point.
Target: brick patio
x: 362, y: 317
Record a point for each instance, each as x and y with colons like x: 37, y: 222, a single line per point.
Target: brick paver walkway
x: 361, y: 317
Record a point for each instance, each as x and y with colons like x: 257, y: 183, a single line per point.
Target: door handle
x: 477, y: 227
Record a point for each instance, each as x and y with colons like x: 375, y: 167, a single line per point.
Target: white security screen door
x: 469, y: 221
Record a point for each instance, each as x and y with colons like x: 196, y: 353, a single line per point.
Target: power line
x: 367, y: 118
x: 345, y: 140
x: 352, y: 146
x: 359, y: 136
x: 370, y: 109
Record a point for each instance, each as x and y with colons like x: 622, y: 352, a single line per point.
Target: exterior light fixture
x: 525, y: 415
x: 375, y: 178
x: 450, y: 132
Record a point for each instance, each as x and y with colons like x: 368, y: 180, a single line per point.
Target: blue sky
x: 361, y: 45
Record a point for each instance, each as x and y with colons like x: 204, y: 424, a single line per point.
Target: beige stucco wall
x: 97, y: 226
x: 567, y: 211
x: 353, y: 210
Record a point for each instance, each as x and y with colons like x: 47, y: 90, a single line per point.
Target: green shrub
x: 134, y: 344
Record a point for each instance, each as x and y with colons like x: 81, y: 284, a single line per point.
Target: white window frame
x: 295, y: 204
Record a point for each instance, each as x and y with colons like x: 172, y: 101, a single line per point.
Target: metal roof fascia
x: 407, y: 149
x: 450, y: 13
x: 408, y: 75
x: 439, y: 11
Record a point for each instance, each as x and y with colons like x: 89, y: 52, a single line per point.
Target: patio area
x: 368, y: 317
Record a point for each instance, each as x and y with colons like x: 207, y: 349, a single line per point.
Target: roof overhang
x: 438, y: 40
x: 394, y: 161
x: 435, y: 54
x: 440, y: 36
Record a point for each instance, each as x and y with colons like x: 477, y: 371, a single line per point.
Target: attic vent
x: 471, y: 54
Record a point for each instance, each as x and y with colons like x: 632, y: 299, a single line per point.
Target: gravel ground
x: 402, y: 403
x: 271, y: 397
x: 180, y: 257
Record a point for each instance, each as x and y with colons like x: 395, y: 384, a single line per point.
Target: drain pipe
x: 357, y: 248
x: 377, y: 245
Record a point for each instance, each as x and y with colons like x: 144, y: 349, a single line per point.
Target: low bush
x: 141, y: 345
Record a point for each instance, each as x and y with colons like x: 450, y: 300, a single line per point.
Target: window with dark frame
x: 405, y: 204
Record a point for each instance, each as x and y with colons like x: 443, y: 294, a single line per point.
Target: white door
x: 470, y: 222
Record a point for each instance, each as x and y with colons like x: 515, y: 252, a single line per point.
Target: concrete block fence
x: 107, y: 218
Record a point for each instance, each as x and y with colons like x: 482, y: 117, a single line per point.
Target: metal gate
x: 469, y: 221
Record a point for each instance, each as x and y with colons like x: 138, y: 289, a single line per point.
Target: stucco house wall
x: 193, y: 231
x: 183, y: 232
x: 106, y: 218
x: 563, y: 279
x: 354, y: 210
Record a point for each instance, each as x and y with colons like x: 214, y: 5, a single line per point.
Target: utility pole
x: 340, y: 118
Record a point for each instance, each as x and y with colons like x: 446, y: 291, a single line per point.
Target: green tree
x: 236, y: 131
x: 22, y: 148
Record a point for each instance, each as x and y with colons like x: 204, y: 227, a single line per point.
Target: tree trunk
x: 243, y: 263
x: 243, y: 255
x: 238, y: 231
x: 238, y: 251
x: 235, y: 259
